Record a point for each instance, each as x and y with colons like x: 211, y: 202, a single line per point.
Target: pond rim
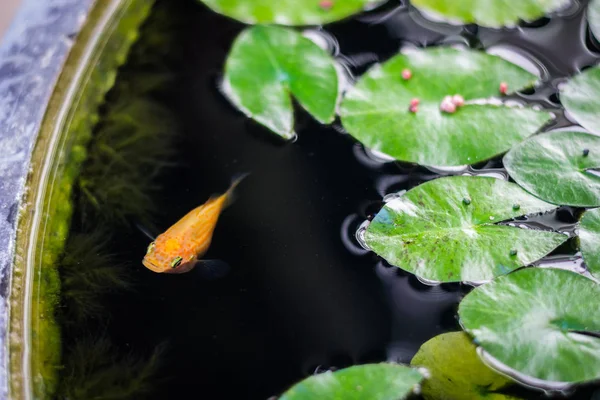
x: 38, y: 96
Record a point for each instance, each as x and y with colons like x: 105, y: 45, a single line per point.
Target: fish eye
x: 176, y: 262
x: 150, y: 247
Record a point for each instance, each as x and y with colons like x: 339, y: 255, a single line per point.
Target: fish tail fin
x: 230, y: 195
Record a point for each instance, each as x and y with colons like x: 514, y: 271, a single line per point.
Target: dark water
x: 302, y: 295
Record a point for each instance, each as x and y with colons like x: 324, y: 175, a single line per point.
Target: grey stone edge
x: 32, y: 55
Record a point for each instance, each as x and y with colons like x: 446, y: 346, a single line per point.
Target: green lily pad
x: 493, y: 13
x: 289, y: 12
x: 267, y: 64
x: 376, y: 111
x: 456, y: 371
x: 554, y: 167
x: 580, y: 98
x: 589, y: 240
x: 445, y: 230
x: 594, y: 17
x: 540, y: 323
x: 372, y: 381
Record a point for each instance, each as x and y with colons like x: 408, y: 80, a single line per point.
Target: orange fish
x: 180, y: 248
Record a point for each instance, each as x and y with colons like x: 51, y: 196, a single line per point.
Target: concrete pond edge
x: 53, y: 48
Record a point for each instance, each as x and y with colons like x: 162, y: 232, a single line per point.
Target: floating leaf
x: 267, y: 64
x: 539, y: 322
x: 372, y: 381
x: 376, y: 111
x: 289, y: 12
x: 594, y: 17
x: 493, y: 13
x: 589, y: 240
x: 580, y: 97
x: 558, y: 167
x: 456, y: 372
x: 444, y: 230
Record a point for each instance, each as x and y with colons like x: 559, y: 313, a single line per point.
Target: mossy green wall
x: 72, y: 113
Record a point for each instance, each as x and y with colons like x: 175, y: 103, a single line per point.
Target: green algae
x: 88, y: 272
x: 131, y: 143
x: 44, y: 224
x: 96, y: 371
x: 129, y: 150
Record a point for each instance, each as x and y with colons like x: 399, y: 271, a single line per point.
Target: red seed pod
x: 414, y: 102
x: 503, y: 88
x: 406, y: 74
x: 413, y: 109
x: 448, y: 106
x: 326, y: 4
x: 458, y: 100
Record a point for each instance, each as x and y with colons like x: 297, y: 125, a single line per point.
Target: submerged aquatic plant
x: 131, y: 144
x: 88, y: 272
x: 134, y: 139
x: 131, y: 147
x: 94, y: 370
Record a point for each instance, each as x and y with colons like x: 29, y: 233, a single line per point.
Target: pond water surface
x: 302, y: 295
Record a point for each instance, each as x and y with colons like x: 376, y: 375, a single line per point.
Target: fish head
x: 169, y: 255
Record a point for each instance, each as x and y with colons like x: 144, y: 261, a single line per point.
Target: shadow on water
x: 301, y: 295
